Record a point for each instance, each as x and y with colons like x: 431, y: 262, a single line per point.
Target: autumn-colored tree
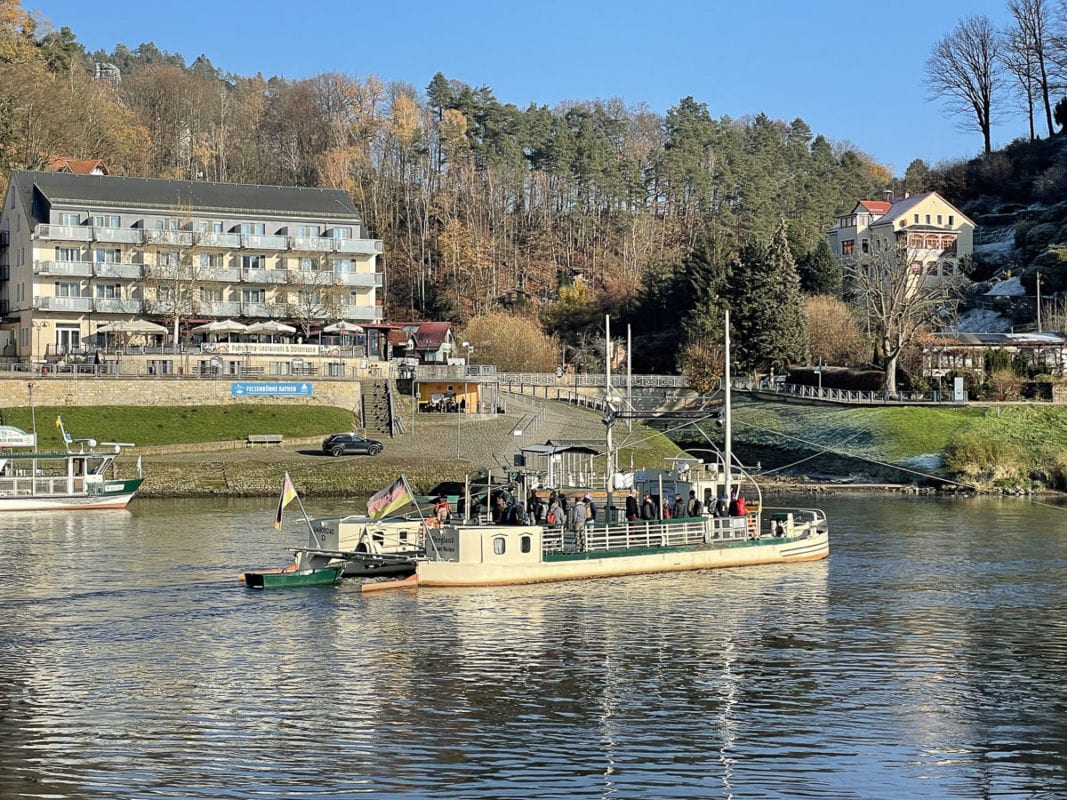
x: 512, y: 343
x: 833, y: 334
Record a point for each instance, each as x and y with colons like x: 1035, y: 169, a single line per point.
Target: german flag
x: 396, y: 495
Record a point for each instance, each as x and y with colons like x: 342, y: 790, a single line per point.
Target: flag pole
x: 422, y: 519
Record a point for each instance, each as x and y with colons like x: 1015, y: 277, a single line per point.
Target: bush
x: 1005, y: 385
x: 979, y: 458
x: 1037, y: 239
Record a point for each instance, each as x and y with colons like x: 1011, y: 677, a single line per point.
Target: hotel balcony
x: 78, y: 269
x: 169, y: 238
x: 118, y: 235
x: 116, y: 305
x: 63, y: 303
x: 310, y: 244
x: 361, y: 313
x: 69, y: 233
x: 366, y: 279
x: 366, y: 247
x: 275, y: 276
x: 218, y: 308
x: 262, y: 242
x: 224, y: 241
x: 110, y: 269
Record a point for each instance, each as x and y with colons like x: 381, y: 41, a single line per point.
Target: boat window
x: 378, y: 537
x: 526, y: 544
x: 403, y: 536
x: 499, y: 545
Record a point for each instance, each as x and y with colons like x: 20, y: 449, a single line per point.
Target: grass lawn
x: 161, y: 425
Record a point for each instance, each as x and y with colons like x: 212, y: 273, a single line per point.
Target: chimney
x: 887, y: 195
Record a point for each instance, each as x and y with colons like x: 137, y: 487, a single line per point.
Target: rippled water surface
x: 926, y: 658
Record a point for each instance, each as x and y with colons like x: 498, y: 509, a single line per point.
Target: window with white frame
x: 68, y: 254
x: 107, y: 221
x: 108, y: 291
x: 68, y: 289
x: 342, y: 232
x: 253, y: 261
x: 107, y: 255
x: 211, y: 294
x: 252, y: 228
x: 253, y: 295
x: 70, y: 219
x: 210, y: 259
x: 167, y: 258
x: 308, y: 231
x: 342, y: 266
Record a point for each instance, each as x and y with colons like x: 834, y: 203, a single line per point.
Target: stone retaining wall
x: 107, y: 391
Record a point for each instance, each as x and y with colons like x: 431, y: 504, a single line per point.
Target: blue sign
x: 260, y: 389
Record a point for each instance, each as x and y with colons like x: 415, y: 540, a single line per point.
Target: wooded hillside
x: 473, y: 198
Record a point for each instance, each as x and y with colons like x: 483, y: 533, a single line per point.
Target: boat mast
x: 609, y: 416
x: 728, y: 444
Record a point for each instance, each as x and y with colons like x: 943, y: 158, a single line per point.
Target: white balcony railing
x: 82, y: 269
x: 169, y: 238
x: 110, y: 269
x: 365, y: 279
x: 359, y: 246
x: 119, y: 235
x: 261, y: 242
x: 73, y: 233
x: 361, y: 313
x: 221, y: 240
x: 116, y: 305
x: 310, y: 244
x: 218, y: 308
x: 63, y: 303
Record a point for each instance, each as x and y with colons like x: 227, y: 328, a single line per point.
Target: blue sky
x: 852, y: 71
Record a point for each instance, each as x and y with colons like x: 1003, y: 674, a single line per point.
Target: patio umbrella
x: 221, y: 326
x: 131, y: 326
x: 271, y: 326
x: 343, y: 327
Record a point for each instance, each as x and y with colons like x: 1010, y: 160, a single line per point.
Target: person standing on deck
x: 631, y: 506
x: 580, y: 512
x: 678, y: 509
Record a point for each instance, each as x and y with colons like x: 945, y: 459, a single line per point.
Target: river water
x: 925, y: 658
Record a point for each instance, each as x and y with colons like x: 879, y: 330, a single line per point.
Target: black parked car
x: 339, y: 444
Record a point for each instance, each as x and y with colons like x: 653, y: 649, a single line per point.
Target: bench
x: 262, y: 438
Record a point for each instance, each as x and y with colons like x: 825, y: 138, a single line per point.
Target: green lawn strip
x: 1040, y: 430
x: 163, y: 425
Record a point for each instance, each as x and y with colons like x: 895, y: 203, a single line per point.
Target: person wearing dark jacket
x: 631, y: 505
x: 678, y: 509
x: 648, y: 508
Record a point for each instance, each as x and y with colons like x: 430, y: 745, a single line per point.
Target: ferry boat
x: 739, y: 534
x: 79, y: 477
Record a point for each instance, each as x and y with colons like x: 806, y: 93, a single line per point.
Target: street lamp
x: 38, y: 327
x: 818, y: 372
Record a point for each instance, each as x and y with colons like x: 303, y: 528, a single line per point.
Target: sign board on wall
x: 270, y: 389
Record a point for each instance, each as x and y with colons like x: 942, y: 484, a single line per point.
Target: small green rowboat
x: 281, y: 579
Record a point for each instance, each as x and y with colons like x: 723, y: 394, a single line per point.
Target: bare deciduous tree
x: 1030, y: 31
x: 965, y: 69
x: 900, y: 300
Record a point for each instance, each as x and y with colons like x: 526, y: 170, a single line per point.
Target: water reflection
x: 924, y: 659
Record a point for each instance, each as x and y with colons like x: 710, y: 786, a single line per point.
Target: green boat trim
x: 646, y: 551
x: 320, y: 576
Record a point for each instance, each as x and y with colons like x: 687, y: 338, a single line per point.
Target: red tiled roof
x: 876, y: 206
x: 78, y: 166
x: 431, y: 335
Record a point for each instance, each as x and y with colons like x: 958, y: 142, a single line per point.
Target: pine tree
x: 820, y: 272
x: 769, y: 330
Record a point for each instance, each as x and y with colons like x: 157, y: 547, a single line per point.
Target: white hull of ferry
x: 79, y: 502
x: 484, y: 561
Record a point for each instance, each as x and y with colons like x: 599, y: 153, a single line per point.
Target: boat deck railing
x: 643, y: 534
